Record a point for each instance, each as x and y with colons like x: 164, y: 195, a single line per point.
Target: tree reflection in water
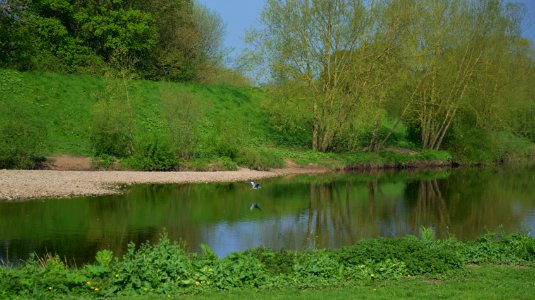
x: 302, y: 212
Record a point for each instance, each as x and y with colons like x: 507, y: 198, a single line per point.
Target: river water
x: 299, y: 212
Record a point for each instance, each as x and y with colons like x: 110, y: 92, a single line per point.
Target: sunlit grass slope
x: 64, y: 104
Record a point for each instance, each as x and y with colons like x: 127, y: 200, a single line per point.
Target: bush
x: 317, y: 265
x: 276, y: 263
x: 103, y: 161
x: 500, y: 248
x: 260, y: 159
x: 370, y: 270
x: 182, y: 111
x: 46, y: 277
x: 419, y: 256
x: 238, y: 270
x: 155, y: 154
x: 112, y: 122
x: 157, y: 268
x: 22, y: 138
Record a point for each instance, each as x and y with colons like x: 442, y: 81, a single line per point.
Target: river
x: 297, y: 212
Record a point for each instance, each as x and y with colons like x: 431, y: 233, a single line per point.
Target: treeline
x: 347, y: 75
x: 177, y: 40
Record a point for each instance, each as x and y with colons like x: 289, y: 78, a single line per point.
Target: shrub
x: 260, y: 159
x: 223, y: 163
x: 22, y: 138
x: 370, y: 270
x: 103, y: 161
x: 239, y: 270
x: 112, y: 122
x: 435, y: 155
x: 276, y: 263
x: 182, y: 111
x: 427, y: 233
x: 154, y: 268
x: 155, y: 154
x: 419, y: 256
x: 500, y: 248
x: 317, y: 265
x: 104, y: 257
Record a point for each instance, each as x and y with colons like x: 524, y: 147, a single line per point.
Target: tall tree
x: 333, y: 49
x: 166, y: 39
x: 454, y: 51
x: 189, y: 39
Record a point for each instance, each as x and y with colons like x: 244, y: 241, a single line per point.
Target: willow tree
x: 454, y: 53
x: 330, y: 51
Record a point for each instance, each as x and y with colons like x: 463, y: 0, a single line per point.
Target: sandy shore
x: 28, y: 184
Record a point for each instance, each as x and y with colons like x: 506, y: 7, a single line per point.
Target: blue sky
x: 240, y: 15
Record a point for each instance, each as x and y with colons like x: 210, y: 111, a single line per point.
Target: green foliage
x: 276, y: 263
x: 153, y: 269
x: 104, y: 257
x: 260, y: 159
x: 127, y: 30
x: 167, y: 39
x: 103, y: 162
x: 112, y: 122
x: 210, y: 164
x: 496, y: 247
x: 238, y: 270
x: 316, y: 267
x: 427, y: 233
x: 512, y: 147
x: 419, y: 256
x: 182, y: 111
x: 166, y: 268
x: 42, y: 278
x: 206, y: 127
x: 371, y: 271
x: 23, y: 134
x: 22, y: 140
x: 154, y: 154
x: 473, y: 144
x: 485, y: 282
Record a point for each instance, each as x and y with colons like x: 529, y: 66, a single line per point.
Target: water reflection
x: 297, y: 213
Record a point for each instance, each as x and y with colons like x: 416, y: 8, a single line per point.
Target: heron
x: 254, y: 185
x: 255, y: 206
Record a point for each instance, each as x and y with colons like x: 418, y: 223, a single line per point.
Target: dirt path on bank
x: 28, y: 184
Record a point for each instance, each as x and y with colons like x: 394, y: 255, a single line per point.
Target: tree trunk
x: 315, y: 126
x: 373, y: 142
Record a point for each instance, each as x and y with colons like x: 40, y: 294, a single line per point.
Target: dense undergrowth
x: 166, y: 269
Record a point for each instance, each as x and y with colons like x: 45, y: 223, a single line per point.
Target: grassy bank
x: 474, y: 282
x: 67, y: 113
x: 385, y: 267
x: 150, y: 125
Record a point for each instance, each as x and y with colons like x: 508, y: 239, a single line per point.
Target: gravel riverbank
x: 28, y: 184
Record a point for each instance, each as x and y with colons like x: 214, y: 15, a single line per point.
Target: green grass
x: 65, y: 103
x: 485, y: 282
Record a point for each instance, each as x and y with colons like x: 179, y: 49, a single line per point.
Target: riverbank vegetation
x: 166, y: 269
x: 158, y: 126
x: 339, y: 83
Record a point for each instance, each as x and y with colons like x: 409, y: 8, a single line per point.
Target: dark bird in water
x: 255, y: 206
x: 254, y: 185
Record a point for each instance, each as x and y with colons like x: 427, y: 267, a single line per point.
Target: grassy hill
x: 64, y: 106
x: 64, y: 103
x: 207, y: 127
